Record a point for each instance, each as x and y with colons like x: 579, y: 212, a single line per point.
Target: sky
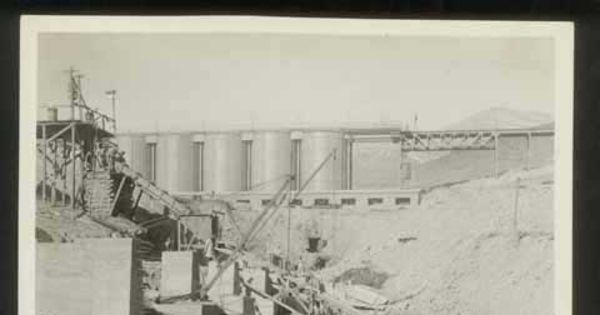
x: 177, y: 82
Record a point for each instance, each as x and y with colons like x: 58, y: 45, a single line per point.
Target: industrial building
x: 252, y: 165
x: 247, y: 167
x: 159, y: 254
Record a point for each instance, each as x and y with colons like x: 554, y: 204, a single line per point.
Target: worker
x: 112, y: 154
x: 168, y: 243
x: 209, y: 249
x: 301, y: 267
x: 203, y: 269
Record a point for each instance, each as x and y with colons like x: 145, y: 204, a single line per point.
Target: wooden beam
x: 350, y: 162
x: 58, y: 134
x: 74, y: 175
x: 63, y: 173
x: 496, y: 156
x: 137, y: 200
x: 114, y: 204
x: 45, y: 156
x: 528, y: 156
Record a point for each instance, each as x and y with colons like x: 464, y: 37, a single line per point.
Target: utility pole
x: 515, y: 223
x: 72, y: 91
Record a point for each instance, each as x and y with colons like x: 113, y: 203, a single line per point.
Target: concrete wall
x: 179, y: 273
x: 346, y: 198
x: 96, y: 277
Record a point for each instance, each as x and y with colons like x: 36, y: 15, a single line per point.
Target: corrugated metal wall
x: 271, y: 157
x: 316, y: 146
x: 223, y: 163
x: 174, y: 162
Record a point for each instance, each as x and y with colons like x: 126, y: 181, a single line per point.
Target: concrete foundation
x: 97, y: 277
x: 258, y: 279
x: 265, y: 306
x: 229, y: 282
x: 190, y: 308
x: 179, y: 274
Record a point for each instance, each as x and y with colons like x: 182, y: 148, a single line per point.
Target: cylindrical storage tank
x: 52, y: 114
x: 315, y: 147
x: 271, y: 160
x: 174, y: 162
x: 223, y: 162
x: 134, y: 147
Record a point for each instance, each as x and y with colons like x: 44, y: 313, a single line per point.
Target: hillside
x: 376, y: 165
x: 502, y: 118
x: 459, y: 252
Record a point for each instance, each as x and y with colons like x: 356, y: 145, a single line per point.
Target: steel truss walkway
x: 443, y: 140
x: 428, y: 141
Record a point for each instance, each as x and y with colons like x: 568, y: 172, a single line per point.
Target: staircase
x: 98, y: 198
x: 101, y: 189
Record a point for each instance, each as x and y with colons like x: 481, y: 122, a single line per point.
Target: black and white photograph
x: 295, y: 166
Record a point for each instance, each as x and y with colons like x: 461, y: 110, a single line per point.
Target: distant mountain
x: 502, y: 118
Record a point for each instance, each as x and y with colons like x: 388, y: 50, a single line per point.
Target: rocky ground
x: 465, y: 250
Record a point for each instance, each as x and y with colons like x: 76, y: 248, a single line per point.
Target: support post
x: 137, y: 200
x: 344, y: 163
x: 45, y: 144
x: 179, y: 238
x: 63, y: 170
x: 74, y: 175
x: 515, y: 224
x: 114, y: 204
x: 401, y: 160
x: 289, y: 229
x: 54, y: 174
x: 496, y: 153
x: 528, y: 156
x: 350, y: 160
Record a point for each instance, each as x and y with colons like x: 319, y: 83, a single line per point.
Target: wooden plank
x: 114, y: 204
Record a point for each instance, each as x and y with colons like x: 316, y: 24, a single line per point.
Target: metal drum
x: 271, y: 159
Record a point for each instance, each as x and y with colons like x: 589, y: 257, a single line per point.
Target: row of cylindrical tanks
x: 235, y: 161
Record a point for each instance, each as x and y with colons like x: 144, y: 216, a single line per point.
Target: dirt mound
x: 461, y: 252
x: 468, y: 165
x: 60, y: 224
x: 365, y: 276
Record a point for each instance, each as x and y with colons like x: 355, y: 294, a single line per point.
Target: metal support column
x: 117, y: 194
x: 344, y: 163
x: 350, y: 160
x: 74, y: 175
x: 401, y: 161
x: 137, y: 200
x: 528, y: 156
x: 496, y: 159
x: 63, y: 171
x: 45, y: 144
x: 179, y: 238
x: 54, y: 173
